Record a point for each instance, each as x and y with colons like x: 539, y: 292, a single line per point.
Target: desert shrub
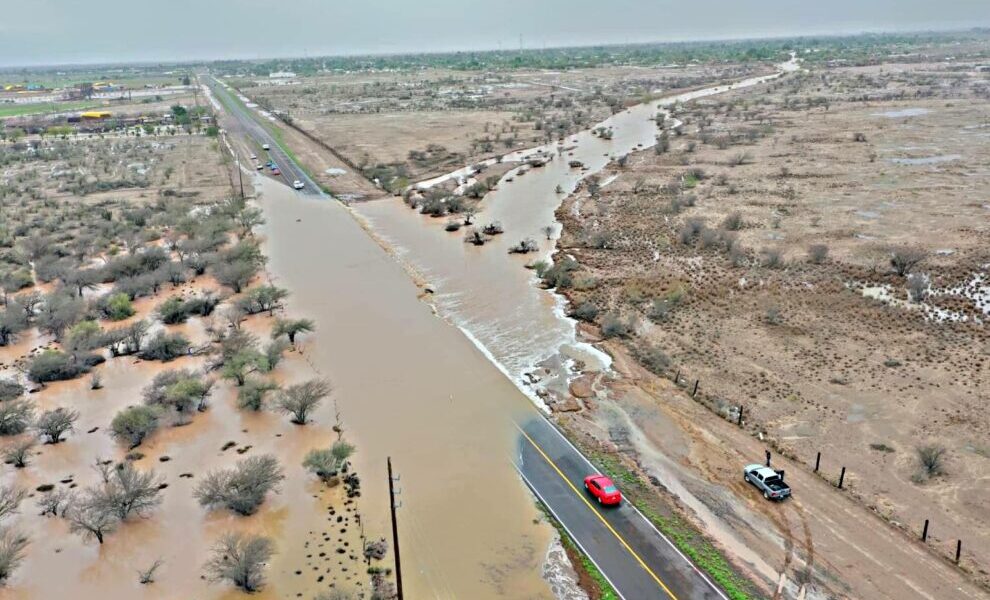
x: 12, y: 322
x: 172, y: 311
x: 10, y: 389
x: 84, y: 336
x: 326, y: 463
x: 243, y: 488
x: 18, y: 452
x: 691, y: 229
x: 251, y: 395
x: 272, y: 355
x: 653, y: 358
x: 817, y: 253
x: 773, y: 315
x: 16, y: 280
x: 300, y: 399
x: 903, y: 260
x: 614, y: 326
x: 493, y: 228
x: 165, y: 347
x: 524, y: 247
x: 133, y: 424
x: 263, y: 298
x: 918, y: 285
x: 55, y: 423
x: 118, y: 307
x: 55, y: 365
x: 15, y: 416
x: 599, y: 240
x: 559, y: 274
x: 240, y: 559
x: 234, y: 275
x: 931, y: 459
x: 586, y: 311
x: 771, y: 258
x: 58, y: 312
x: 238, y: 366
x: 180, y: 390
x: 733, y: 222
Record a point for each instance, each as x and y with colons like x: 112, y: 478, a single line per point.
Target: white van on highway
x: 265, y: 147
x: 298, y: 184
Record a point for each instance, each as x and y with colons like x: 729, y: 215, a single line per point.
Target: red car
x: 603, y: 489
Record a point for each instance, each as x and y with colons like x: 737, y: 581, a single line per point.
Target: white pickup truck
x: 768, y: 481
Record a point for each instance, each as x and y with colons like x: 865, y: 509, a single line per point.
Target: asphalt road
x: 638, y: 561
x: 631, y: 553
x: 248, y: 123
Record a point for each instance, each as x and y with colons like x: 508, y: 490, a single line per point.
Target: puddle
x: 926, y: 160
x: 904, y: 112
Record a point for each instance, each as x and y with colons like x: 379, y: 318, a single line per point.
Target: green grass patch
x: 683, y: 535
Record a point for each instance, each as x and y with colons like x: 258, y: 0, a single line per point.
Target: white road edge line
x: 573, y: 537
x: 641, y: 515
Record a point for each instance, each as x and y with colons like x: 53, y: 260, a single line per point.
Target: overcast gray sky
x: 34, y: 32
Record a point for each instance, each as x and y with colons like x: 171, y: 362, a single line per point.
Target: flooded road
x: 411, y: 386
x: 488, y: 293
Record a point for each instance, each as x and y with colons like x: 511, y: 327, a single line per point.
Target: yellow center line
x: 598, y: 514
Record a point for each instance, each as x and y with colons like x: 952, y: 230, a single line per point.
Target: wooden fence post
x: 924, y: 532
x: 818, y: 461
x: 695, y: 390
x: 842, y: 476
x: 958, y: 550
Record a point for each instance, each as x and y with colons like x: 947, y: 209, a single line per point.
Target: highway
x: 247, y: 123
x: 631, y: 553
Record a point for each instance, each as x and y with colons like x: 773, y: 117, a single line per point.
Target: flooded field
x: 491, y: 296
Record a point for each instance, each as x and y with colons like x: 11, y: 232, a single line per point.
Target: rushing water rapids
x: 491, y: 296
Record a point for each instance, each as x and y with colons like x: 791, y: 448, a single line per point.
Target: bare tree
x: 904, y: 259
x: 54, y: 502
x: 53, y: 424
x: 300, y: 399
x: 243, y: 488
x: 240, y: 559
x: 146, y: 576
x: 129, y: 491
x: 91, y: 517
x: 18, y: 452
x: 12, y: 546
x: 10, y: 500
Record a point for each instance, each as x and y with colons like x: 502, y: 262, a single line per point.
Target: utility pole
x: 395, y: 528
x: 240, y: 176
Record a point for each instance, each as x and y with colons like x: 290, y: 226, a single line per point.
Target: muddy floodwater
x: 486, y: 292
x: 411, y: 386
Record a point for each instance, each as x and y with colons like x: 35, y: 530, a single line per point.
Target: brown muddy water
x: 409, y: 385
x: 406, y: 383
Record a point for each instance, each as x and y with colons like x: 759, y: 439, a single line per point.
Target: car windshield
x: 610, y: 489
